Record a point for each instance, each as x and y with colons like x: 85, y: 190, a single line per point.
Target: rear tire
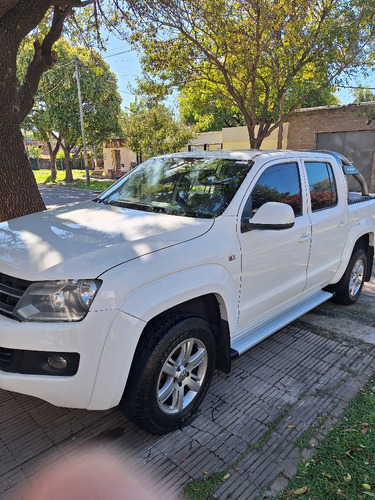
x: 348, y: 289
x: 171, y: 373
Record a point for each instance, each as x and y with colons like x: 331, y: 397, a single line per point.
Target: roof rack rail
x: 348, y: 169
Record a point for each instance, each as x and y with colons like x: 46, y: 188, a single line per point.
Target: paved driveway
x: 301, y: 377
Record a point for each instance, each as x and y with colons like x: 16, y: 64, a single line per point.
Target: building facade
x: 344, y: 129
x: 115, y: 154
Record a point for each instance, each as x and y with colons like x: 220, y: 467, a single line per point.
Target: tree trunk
x: 53, y: 150
x: 53, y: 167
x: 19, y: 192
x: 281, y: 124
x: 67, y: 165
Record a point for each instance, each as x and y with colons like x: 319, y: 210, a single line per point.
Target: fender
x: 115, y: 361
x: 140, y: 307
x: 165, y: 293
x: 359, y: 229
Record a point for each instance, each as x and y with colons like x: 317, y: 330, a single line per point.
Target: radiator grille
x: 11, y: 290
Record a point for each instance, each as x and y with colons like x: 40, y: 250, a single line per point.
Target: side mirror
x: 270, y: 216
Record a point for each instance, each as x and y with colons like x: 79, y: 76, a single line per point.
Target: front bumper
x: 104, y: 342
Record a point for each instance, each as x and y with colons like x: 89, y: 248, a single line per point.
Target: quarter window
x: 322, y: 185
x: 278, y: 183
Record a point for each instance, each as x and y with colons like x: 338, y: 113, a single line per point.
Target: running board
x: 259, y: 332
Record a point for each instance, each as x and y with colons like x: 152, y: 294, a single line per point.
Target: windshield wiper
x: 129, y: 204
x: 158, y: 209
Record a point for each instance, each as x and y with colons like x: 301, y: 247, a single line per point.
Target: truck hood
x: 86, y: 239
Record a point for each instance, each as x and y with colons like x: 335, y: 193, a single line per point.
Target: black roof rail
x: 340, y: 157
x: 348, y: 168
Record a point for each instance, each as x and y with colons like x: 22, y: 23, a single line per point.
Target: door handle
x: 343, y: 223
x: 303, y: 238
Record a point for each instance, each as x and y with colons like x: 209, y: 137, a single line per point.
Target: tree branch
x: 44, y: 58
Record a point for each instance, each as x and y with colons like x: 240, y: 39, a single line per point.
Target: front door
x: 274, y: 262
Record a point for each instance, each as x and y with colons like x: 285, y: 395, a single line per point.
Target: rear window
x: 322, y: 184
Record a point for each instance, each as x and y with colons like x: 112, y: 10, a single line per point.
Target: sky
x: 125, y: 65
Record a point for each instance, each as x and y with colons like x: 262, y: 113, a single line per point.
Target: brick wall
x: 305, y: 124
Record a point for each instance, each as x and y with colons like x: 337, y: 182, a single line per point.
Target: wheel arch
x: 207, y: 291
x: 364, y: 241
x: 211, y: 308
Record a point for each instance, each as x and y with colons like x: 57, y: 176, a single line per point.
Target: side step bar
x: 263, y: 330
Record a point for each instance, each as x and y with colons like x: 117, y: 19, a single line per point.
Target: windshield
x: 192, y: 187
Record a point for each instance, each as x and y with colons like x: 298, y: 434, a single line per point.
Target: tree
x: 18, y: 18
x: 56, y: 112
x: 201, y: 106
x: 254, y: 53
x: 364, y: 94
x: 154, y: 131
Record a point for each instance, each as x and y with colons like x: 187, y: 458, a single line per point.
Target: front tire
x: 171, y: 373
x: 348, y: 289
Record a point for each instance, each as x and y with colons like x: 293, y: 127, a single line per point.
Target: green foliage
x: 199, y: 105
x: 34, y: 152
x: 57, y: 109
x: 325, y: 97
x: 343, y: 465
x: 363, y: 94
x: 252, y: 55
x: 154, y: 131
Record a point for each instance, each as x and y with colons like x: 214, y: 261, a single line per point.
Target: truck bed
x: 359, y: 198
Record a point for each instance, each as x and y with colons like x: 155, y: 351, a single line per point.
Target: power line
x: 118, y: 53
x: 364, y: 87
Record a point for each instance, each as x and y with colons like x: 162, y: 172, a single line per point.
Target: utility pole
x: 76, y: 62
x: 281, y: 124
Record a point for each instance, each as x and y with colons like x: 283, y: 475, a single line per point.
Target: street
x: 54, y: 196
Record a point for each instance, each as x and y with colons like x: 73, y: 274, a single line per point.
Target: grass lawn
x: 79, y: 176
x: 343, y: 465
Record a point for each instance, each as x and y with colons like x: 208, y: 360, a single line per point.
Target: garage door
x: 357, y: 146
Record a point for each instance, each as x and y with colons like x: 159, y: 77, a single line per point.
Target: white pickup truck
x: 134, y: 298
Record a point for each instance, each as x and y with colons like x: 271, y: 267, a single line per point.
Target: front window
x: 278, y: 183
x: 192, y: 187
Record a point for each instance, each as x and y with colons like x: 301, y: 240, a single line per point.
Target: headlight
x: 65, y: 300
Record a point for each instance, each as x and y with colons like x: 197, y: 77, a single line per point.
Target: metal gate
x: 358, y: 147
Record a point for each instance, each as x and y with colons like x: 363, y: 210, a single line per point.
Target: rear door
x: 329, y: 217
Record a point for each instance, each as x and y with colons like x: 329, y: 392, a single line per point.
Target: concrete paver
x: 301, y: 377
x: 237, y: 413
